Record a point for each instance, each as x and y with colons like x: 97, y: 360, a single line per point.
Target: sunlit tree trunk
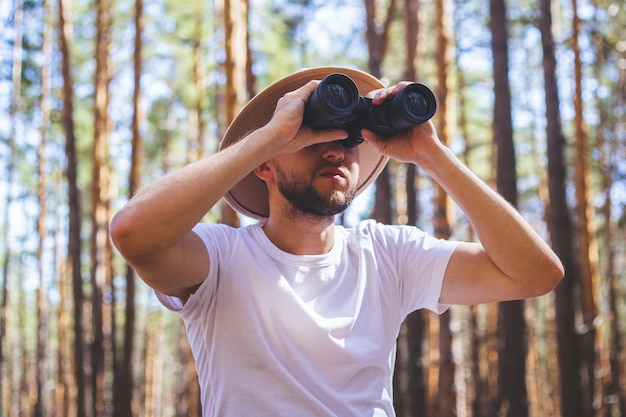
x: 236, y: 29
x: 123, y: 386
x: 377, y: 38
x: 512, y: 397
x: 615, y: 388
x: 22, y: 357
x: 560, y: 227
x: 476, y: 398
x: 542, y: 376
x: 65, y: 390
x: 18, y: 372
x: 611, y: 371
x: 100, y: 203
x: 188, y: 403
x: 236, y: 68
x: 197, y: 123
x: 149, y: 354
x: 446, y: 393
x: 413, y: 397
x: 74, y: 233
x: 585, y: 218
x: 476, y: 356
x: 16, y: 81
x: 42, y: 230
x: 199, y: 79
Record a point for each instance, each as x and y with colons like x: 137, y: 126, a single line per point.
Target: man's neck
x: 301, y: 235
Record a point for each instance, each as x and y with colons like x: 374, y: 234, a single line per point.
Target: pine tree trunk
x: 587, y: 243
x: 512, y: 398
x: 568, y: 349
x: 74, y: 234
x: 195, y: 140
x: 42, y: 231
x: 64, y: 406
x: 446, y: 397
x: 16, y: 81
x: 478, y: 397
x: 235, y: 68
x: 415, y: 324
x: 24, y: 371
x: 611, y: 351
x: 149, y: 354
x: 100, y: 202
x: 377, y: 38
x: 189, y: 396
x: 123, y: 386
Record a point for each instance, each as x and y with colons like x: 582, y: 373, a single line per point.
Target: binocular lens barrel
x: 336, y: 103
x: 339, y: 93
x: 332, y: 102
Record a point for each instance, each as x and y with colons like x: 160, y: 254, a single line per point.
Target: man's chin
x: 325, y: 207
x: 320, y: 199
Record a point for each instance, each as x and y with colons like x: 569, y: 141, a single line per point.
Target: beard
x: 304, y: 198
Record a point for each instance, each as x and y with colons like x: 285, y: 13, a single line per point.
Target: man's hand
x: 413, y: 145
x: 286, y: 126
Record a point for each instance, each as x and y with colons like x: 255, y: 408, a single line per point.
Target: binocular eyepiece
x: 336, y: 103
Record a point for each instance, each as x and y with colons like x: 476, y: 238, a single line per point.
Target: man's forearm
x: 513, y: 246
x: 164, y: 212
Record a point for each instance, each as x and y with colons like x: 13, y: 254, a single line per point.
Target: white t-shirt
x: 276, y: 334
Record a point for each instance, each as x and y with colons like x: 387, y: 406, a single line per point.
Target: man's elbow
x: 552, y: 274
x: 558, y: 274
x: 555, y: 272
x: 123, y: 234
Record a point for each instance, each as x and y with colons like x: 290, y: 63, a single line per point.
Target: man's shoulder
x: 365, y: 230
x: 223, y: 228
x: 220, y: 234
x: 362, y: 225
x: 383, y: 234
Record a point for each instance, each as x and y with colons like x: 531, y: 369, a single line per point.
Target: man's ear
x: 264, y: 171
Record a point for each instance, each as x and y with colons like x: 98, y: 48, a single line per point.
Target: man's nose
x: 334, y: 150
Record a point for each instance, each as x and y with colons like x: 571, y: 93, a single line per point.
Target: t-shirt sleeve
x: 424, y: 291
x: 419, y: 265
x: 431, y: 291
x: 200, y: 299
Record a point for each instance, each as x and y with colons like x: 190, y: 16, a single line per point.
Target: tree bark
x: 123, y: 386
x: 42, y: 231
x: 377, y: 38
x: 512, y: 345
x: 587, y: 243
x: 560, y: 227
x: 446, y: 398
x: 100, y: 203
x: 16, y: 83
x: 236, y: 68
x: 608, y: 150
x: 74, y: 233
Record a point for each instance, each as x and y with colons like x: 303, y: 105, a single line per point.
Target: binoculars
x: 336, y: 104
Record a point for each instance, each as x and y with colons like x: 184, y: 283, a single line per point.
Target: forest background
x: 98, y: 98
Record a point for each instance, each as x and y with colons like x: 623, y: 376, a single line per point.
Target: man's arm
x: 154, y: 230
x: 511, y: 261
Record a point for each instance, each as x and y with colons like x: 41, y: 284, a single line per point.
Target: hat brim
x: 249, y: 197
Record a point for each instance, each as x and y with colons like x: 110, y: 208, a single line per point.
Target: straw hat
x: 249, y: 196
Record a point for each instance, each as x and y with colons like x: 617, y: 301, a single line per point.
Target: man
x: 294, y: 316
